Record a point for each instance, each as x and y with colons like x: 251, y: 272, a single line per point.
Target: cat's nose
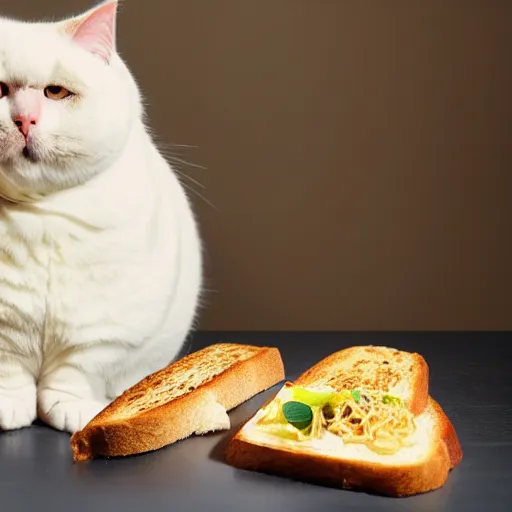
x: 24, y: 122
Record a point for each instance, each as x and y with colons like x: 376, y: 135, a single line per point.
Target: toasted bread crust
x: 157, y: 427
x: 418, y: 372
x: 448, y: 435
x: 392, y: 480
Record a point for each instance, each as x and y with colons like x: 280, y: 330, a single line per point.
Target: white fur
x: 100, y: 258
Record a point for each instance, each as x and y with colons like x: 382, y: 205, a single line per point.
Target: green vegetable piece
x: 388, y: 399
x: 356, y: 395
x: 298, y: 414
x: 312, y: 398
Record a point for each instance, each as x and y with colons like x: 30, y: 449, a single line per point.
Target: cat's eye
x: 4, y: 90
x: 56, y: 92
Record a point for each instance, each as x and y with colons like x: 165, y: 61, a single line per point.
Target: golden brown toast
x: 384, y: 368
x: 191, y: 395
x: 420, y: 465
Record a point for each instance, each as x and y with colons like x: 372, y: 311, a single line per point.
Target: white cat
x: 100, y: 256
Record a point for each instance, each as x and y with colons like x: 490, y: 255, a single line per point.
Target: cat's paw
x: 67, y: 412
x: 17, y: 408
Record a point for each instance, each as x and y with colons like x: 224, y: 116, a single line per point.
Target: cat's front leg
x: 17, y: 394
x: 68, y: 398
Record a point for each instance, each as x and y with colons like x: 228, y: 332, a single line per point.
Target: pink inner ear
x: 96, y: 31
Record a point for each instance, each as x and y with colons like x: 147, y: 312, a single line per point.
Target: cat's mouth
x: 29, y: 154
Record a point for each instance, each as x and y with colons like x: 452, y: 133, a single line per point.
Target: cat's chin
x: 22, y: 177
x: 19, y: 152
x: 31, y: 176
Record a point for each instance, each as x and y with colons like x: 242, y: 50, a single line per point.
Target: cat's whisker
x: 176, y: 159
x: 167, y: 144
x: 192, y: 189
x: 170, y: 151
x: 182, y: 145
x: 193, y: 180
x: 174, y: 156
x: 184, y: 162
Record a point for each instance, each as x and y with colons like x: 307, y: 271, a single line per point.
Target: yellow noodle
x: 369, y: 423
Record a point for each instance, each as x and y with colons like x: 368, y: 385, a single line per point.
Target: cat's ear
x: 95, y: 31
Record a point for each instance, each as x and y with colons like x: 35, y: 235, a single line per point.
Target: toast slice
x: 355, y: 457
x: 190, y: 396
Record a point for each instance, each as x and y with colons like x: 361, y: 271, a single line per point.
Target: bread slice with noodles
x: 360, y: 419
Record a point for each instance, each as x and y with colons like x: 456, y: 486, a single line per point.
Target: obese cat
x: 100, y: 254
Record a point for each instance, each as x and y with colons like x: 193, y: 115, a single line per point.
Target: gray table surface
x: 470, y: 377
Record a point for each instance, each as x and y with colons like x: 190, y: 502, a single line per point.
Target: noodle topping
x: 378, y: 420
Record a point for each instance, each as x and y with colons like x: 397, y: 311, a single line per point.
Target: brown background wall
x: 358, y: 154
